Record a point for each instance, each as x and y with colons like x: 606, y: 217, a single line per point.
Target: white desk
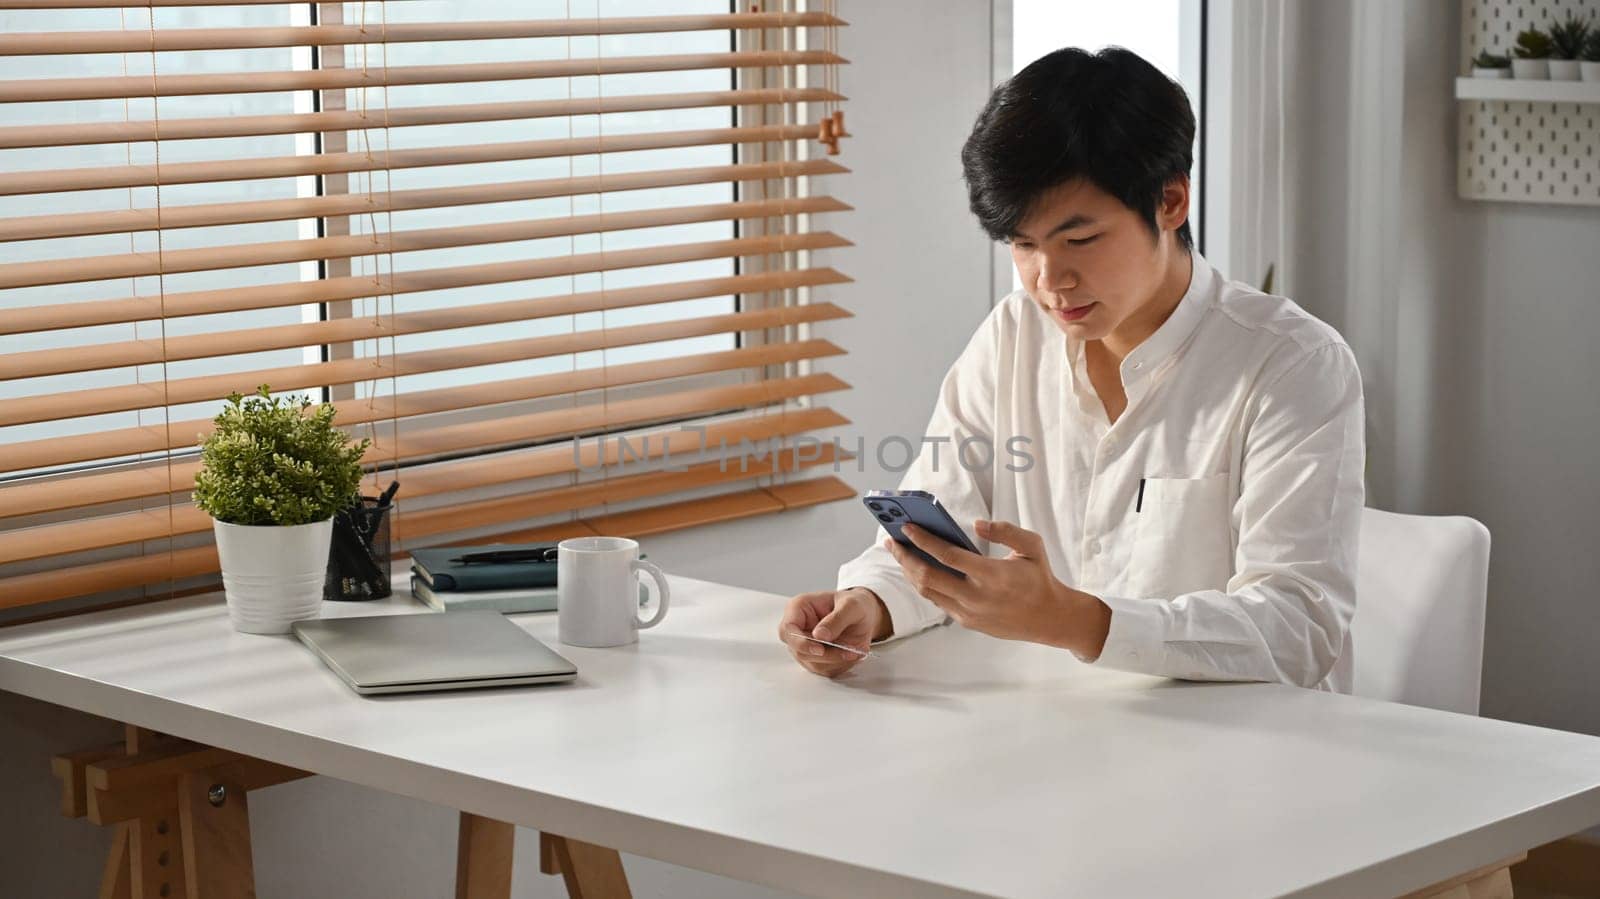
x: 949, y: 764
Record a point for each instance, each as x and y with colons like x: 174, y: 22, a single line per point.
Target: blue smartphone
x: 894, y: 508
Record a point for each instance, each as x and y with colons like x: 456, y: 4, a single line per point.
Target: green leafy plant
x: 269, y: 462
x: 1591, y: 47
x: 1533, y: 44
x: 1568, y: 37
x: 1487, y: 60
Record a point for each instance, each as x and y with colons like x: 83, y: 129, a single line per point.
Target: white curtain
x: 1261, y: 121
x: 1311, y: 180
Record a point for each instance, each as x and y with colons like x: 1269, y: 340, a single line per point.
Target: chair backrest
x: 1421, y: 586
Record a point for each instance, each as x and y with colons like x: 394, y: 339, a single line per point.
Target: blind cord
x: 161, y: 288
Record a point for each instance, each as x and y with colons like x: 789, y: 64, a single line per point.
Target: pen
x: 1138, y: 504
x: 546, y: 554
x: 389, y: 494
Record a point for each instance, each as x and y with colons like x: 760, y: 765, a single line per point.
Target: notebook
x: 412, y: 653
x: 433, y: 566
x: 506, y: 602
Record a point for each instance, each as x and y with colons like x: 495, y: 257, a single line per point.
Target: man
x: 1189, y: 487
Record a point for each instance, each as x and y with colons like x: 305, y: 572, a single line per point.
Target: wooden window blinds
x: 486, y: 241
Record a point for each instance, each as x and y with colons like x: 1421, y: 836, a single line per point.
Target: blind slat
x: 176, y: 391
x: 185, y: 518
x: 135, y: 265
x: 504, y: 468
x: 39, y: 363
x: 33, y: 90
x: 170, y: 39
x: 724, y: 507
x: 100, y: 178
x: 507, y: 510
x: 695, y: 512
x: 199, y: 128
x: 328, y: 290
x: 31, y: 497
x: 515, y: 430
x: 35, y: 227
x: 154, y: 569
x: 120, y: 442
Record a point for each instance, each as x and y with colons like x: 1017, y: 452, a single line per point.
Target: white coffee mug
x: 597, y: 591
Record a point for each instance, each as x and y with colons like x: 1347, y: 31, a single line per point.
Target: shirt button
x: 1094, y: 547
x: 1138, y: 365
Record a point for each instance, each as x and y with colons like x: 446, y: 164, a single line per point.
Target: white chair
x: 1421, y: 588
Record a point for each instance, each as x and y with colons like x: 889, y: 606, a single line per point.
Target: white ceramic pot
x: 1532, y: 69
x: 1563, y: 70
x: 1480, y: 72
x: 272, y: 575
x: 1589, y: 70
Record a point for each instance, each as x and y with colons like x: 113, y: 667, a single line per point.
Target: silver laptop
x: 434, y: 651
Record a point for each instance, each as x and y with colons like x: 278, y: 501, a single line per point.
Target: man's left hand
x: 1014, y: 598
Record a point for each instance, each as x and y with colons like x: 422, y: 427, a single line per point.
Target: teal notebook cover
x: 508, y: 602
x: 436, y: 569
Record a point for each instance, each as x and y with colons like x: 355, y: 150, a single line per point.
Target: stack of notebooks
x: 440, y: 579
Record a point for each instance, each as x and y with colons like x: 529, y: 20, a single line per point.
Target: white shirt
x: 1244, y: 428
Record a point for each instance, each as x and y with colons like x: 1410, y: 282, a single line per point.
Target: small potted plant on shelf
x: 1490, y: 65
x: 1533, y: 55
x: 1589, y: 66
x: 271, y: 477
x: 1567, y: 40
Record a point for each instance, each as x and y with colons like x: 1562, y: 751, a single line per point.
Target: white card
x: 850, y: 649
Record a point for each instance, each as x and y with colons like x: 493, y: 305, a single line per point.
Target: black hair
x: 1109, y: 117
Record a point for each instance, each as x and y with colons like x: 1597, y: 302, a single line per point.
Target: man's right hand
x: 852, y: 617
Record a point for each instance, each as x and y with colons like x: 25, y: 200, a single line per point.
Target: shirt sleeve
x: 955, y: 463
x: 1286, y: 610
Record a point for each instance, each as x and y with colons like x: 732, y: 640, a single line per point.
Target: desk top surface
x: 946, y: 764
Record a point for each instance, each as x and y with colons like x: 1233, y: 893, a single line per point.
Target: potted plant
x: 1567, y: 40
x: 271, y: 476
x: 1589, y: 66
x: 1533, y: 55
x: 1490, y: 65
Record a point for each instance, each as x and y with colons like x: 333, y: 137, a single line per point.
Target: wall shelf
x: 1523, y: 141
x: 1528, y: 90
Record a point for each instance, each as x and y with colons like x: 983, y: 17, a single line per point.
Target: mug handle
x: 661, y: 593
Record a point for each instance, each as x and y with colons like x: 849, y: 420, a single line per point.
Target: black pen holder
x: 358, y: 557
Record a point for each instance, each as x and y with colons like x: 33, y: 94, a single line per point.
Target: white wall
x: 1503, y: 425
x: 1477, y: 347
x: 919, y: 73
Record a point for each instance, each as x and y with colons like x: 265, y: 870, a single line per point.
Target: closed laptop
x: 411, y: 653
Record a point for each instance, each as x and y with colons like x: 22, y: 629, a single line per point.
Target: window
x: 1166, y: 33
x: 481, y: 239
x: 591, y: 87
x: 21, y: 208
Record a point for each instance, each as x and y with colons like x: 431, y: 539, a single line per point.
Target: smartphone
x: 895, y: 508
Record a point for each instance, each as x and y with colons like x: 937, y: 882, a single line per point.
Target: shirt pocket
x: 1183, y: 538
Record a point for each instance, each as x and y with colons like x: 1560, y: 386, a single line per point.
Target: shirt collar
x: 1149, y: 356
x: 1175, y: 332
